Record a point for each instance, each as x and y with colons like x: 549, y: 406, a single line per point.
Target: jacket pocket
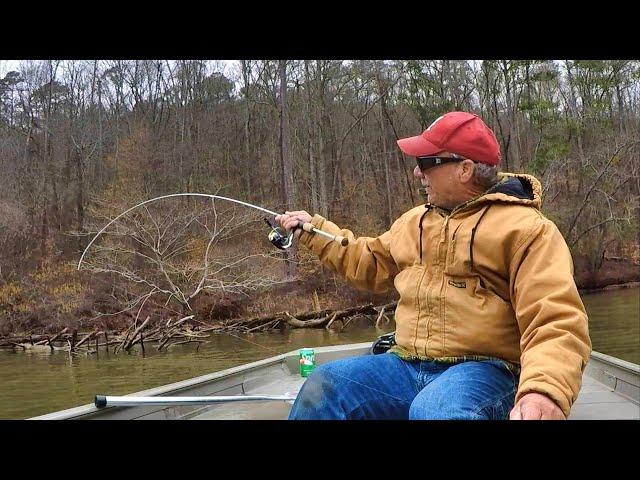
x: 477, y: 321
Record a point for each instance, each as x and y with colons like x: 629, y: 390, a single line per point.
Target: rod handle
x: 308, y: 227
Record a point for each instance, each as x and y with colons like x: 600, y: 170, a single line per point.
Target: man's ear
x: 465, y: 171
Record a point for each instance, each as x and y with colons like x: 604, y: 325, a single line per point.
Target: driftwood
x: 166, y: 334
x: 315, y: 319
x: 111, y: 342
x: 301, y: 320
x: 382, y: 314
x: 126, y: 338
x: 164, y: 342
x: 85, y: 339
x: 54, y: 338
x: 132, y: 342
x: 58, y: 335
x: 31, y: 339
x: 142, y: 334
x: 296, y: 323
x: 173, y: 331
x: 333, y: 319
x: 182, y: 320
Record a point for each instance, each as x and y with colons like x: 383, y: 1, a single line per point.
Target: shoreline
x: 614, y: 286
x: 581, y: 291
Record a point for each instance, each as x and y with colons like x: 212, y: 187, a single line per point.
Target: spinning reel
x: 278, y: 236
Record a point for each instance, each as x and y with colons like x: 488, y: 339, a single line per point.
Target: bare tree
x: 175, y: 254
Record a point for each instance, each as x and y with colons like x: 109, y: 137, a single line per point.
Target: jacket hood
x: 515, y: 188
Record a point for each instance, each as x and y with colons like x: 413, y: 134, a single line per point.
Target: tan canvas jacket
x: 492, y: 278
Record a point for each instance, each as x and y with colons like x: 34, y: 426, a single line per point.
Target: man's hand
x: 291, y: 220
x: 536, y: 406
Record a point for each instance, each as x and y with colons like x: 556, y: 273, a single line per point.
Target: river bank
x: 315, y: 292
x: 612, y: 272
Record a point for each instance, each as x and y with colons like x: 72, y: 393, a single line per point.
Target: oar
x: 102, y: 401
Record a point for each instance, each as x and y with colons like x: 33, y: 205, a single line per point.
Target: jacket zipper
x: 439, y: 266
x: 417, y: 300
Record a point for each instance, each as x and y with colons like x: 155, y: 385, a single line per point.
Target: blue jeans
x: 386, y: 387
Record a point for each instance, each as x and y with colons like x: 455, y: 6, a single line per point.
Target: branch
x: 595, y: 183
x: 610, y: 219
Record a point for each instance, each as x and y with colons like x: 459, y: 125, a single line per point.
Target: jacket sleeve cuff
x: 550, y: 391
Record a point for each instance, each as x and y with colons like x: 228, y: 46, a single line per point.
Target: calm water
x: 33, y: 383
x: 614, y: 322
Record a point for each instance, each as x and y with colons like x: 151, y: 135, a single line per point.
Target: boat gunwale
x: 616, y: 362
x: 616, y: 373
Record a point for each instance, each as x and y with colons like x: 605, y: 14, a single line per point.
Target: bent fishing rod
x: 276, y: 236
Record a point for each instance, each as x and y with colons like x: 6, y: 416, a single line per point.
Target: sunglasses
x: 425, y: 163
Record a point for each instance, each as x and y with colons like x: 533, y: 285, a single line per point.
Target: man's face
x: 441, y: 183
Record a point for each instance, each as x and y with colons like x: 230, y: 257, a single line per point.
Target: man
x: 488, y: 314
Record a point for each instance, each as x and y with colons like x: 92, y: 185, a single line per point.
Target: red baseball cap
x: 461, y: 133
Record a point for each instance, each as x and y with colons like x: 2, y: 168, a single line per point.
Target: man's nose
x: 417, y: 172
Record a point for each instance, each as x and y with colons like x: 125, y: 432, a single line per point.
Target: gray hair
x: 485, y: 176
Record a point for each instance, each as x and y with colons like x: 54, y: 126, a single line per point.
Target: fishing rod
x: 103, y: 401
x: 277, y: 236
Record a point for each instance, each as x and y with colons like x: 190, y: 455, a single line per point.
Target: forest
x: 82, y: 141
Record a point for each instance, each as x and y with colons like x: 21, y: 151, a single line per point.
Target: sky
x: 9, y: 65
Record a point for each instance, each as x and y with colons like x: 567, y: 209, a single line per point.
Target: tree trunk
x: 287, y: 166
x: 313, y: 173
x: 80, y: 193
x: 247, y: 119
x: 385, y: 160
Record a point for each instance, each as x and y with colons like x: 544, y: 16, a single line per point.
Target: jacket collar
x: 518, y: 188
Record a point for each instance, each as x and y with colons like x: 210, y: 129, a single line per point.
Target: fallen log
x: 301, y: 320
x: 106, y: 344
x: 264, y: 326
x: 89, y: 336
x: 296, y: 323
x: 131, y: 342
x: 388, y: 307
x: 182, y: 320
x: 55, y: 337
x: 333, y: 319
x: 25, y: 339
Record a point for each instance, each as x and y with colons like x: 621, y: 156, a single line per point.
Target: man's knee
x: 467, y: 391
x: 320, y: 384
x: 320, y: 395
x: 436, y: 407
